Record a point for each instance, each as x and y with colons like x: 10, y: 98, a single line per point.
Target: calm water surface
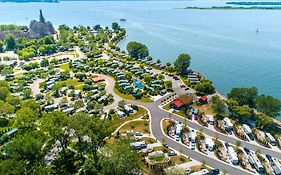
x: 223, y: 44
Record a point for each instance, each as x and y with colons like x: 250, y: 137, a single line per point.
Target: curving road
x: 157, y: 114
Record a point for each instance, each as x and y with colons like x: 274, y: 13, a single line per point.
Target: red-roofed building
x: 203, y: 100
x: 181, y: 101
x: 98, y: 79
x: 177, y: 104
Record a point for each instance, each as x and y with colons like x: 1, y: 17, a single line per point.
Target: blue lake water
x: 223, y: 44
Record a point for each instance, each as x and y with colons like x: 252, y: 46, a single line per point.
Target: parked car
x: 192, y: 146
x: 138, y: 134
x: 172, y: 153
x: 214, y: 172
x: 247, y: 150
x: 166, y: 145
x: 269, y: 157
x: 227, y: 144
x: 177, y: 138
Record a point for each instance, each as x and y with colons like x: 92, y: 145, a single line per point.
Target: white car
x: 193, y: 146
x: 177, y: 138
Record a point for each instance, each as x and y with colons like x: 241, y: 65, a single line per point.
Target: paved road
x: 157, y: 114
x: 109, y: 88
x: 35, y: 87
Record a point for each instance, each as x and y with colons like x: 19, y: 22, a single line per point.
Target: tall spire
x: 41, y: 17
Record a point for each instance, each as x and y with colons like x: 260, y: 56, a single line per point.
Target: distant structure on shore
x: 42, y: 27
x: 37, y: 29
x: 26, y: 1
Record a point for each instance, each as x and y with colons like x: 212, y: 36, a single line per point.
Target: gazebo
x: 157, y: 160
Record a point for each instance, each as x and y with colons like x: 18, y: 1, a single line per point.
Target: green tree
x: 6, y: 109
x: 32, y: 104
x: 27, y: 147
x: 97, y: 27
x: 243, y: 112
x: 147, y: 78
x: 268, y: 105
x: 4, y: 92
x: 244, y: 96
x: 10, y: 42
x: 49, y: 40
x: 205, y: 87
x: 1, y: 46
x: 80, y: 124
x: 115, y: 26
x: 7, y: 71
x: 119, y: 158
x: 182, y: 63
x: 81, y: 76
x: 26, y: 94
x: 26, y: 119
x: 218, y: 105
x: 98, y: 131
x: 13, y: 100
x: 122, y: 103
x: 44, y: 63
x: 56, y: 126
x: 25, y: 154
x: 262, y: 120
x: 79, y: 104
x: 137, y: 50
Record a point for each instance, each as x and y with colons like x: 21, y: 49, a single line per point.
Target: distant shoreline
x: 231, y: 8
x: 255, y: 3
x: 29, y: 1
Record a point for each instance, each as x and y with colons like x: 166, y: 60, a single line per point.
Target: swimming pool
x: 138, y: 84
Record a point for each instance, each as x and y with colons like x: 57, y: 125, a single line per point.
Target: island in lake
x: 254, y: 3
x: 26, y: 1
x: 233, y: 8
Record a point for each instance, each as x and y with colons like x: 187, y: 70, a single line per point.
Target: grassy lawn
x: 179, y: 159
x: 148, y: 140
x: 161, y: 148
x: 196, y: 168
x: 19, y: 75
x: 165, y: 125
x: 167, y: 107
x: 138, y: 126
x: 119, y: 121
x: 147, y: 170
x: 185, y: 81
x: 131, y: 97
x: 110, y: 140
x: 65, y: 66
x: 207, y: 109
x: 77, y: 85
x: 181, y: 112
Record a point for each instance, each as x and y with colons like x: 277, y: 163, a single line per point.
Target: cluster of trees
x: 39, y: 132
x: 262, y: 103
x: 242, y: 103
x: 5, y: 70
x: 5, y: 27
x: 28, y: 48
x: 137, y: 50
x: 205, y: 87
x: 80, y: 137
x: 182, y: 63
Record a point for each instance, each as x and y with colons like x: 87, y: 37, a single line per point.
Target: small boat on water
x: 257, y: 31
x: 123, y: 20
